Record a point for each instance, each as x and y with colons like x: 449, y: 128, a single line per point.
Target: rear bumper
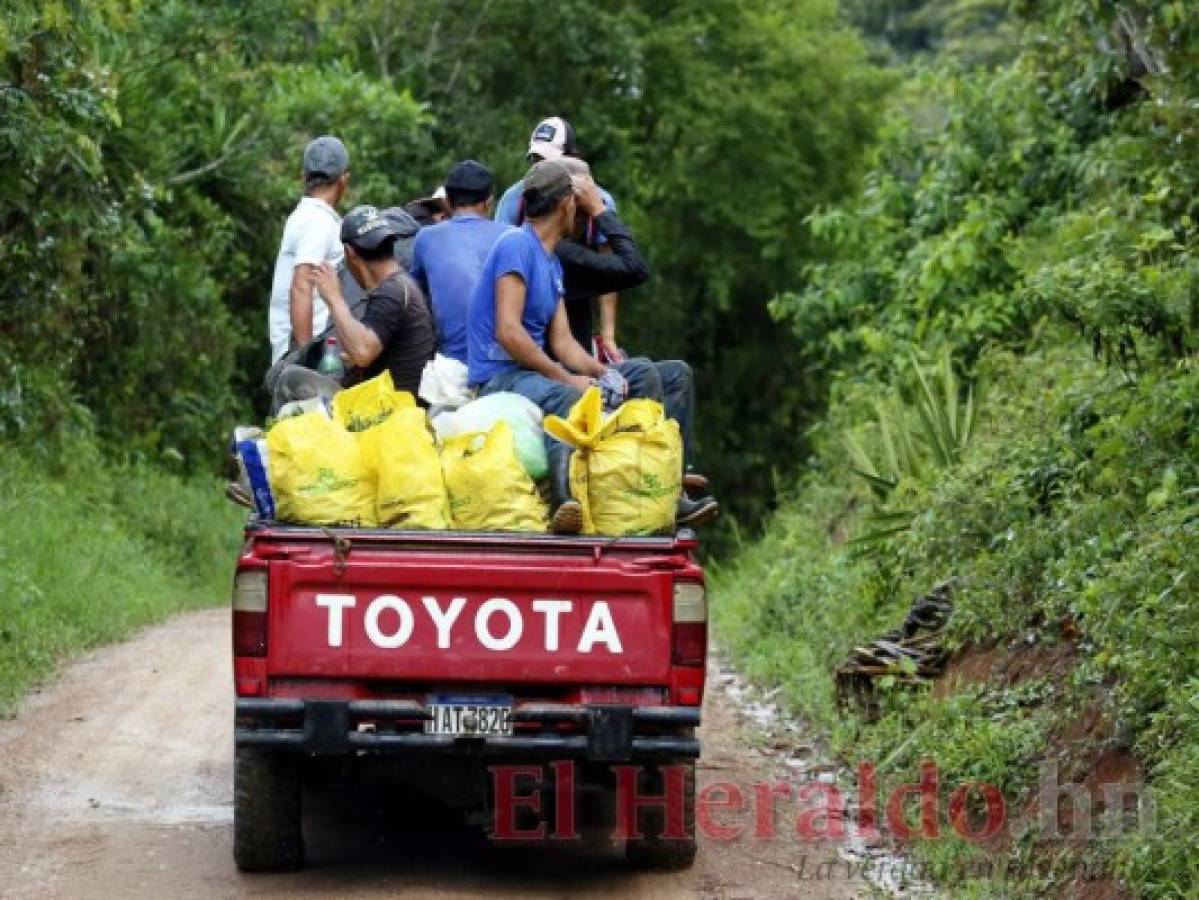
x: 607, y: 733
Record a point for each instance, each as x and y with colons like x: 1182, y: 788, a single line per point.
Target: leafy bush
x: 934, y: 432
x: 1068, y: 519
x: 1038, y: 220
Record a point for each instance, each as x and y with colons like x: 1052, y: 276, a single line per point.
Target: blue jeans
x: 667, y: 382
x: 678, y: 398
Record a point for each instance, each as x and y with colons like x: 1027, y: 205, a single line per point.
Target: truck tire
x: 652, y: 851
x: 266, y: 811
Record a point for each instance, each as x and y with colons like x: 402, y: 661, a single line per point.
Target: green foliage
x: 1071, y: 513
x: 790, y: 605
x: 158, y: 146
x: 1037, y: 221
x: 975, y: 31
x: 89, y: 556
x: 140, y: 233
x: 934, y: 432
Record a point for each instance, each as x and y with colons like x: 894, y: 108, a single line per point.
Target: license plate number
x: 469, y: 716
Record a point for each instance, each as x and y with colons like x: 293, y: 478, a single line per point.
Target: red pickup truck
x: 505, y: 673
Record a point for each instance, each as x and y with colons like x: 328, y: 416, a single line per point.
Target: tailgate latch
x: 341, y: 551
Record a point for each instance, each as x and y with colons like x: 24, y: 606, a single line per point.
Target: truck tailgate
x: 441, y: 613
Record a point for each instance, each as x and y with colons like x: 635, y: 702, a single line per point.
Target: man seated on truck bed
x: 589, y: 270
x: 554, y: 138
x: 309, y: 238
x: 448, y: 257
x: 396, y: 331
x: 517, y: 314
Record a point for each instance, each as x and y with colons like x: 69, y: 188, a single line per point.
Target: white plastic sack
x: 521, y: 414
x: 253, y: 460
x: 444, y: 383
x: 299, y: 407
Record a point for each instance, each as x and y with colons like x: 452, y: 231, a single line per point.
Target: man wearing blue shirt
x: 518, y: 319
x: 448, y: 257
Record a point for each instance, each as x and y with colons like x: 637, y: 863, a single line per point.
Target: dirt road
x: 115, y: 781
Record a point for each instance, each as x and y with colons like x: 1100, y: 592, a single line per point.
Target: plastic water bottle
x: 331, y: 363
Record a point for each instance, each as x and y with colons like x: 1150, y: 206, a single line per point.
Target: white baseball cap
x: 552, y: 139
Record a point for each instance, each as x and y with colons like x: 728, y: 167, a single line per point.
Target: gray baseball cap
x: 325, y: 160
x: 406, y: 228
x: 548, y: 179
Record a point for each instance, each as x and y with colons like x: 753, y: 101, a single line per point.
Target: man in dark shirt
x: 554, y: 138
x: 396, y: 330
x: 590, y: 271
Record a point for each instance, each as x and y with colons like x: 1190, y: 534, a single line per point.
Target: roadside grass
x: 90, y: 554
x: 1070, y: 529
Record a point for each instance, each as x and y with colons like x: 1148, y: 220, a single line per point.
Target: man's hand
x: 615, y: 388
x: 324, y: 279
x: 607, y: 352
x: 587, y: 194
x: 579, y: 382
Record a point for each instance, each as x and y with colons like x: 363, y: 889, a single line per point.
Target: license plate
x: 469, y: 716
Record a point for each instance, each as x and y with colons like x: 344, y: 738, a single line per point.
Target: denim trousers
x: 670, y: 383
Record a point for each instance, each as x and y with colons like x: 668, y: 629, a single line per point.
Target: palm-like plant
x: 932, y: 433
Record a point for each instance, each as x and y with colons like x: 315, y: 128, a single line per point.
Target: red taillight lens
x: 689, y: 635
x: 250, y: 613
x: 249, y: 633
x: 689, y: 643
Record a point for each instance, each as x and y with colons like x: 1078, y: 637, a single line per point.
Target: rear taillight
x: 249, y: 613
x: 689, y: 632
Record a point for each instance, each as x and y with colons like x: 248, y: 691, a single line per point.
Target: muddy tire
x: 266, y: 811
x: 652, y: 850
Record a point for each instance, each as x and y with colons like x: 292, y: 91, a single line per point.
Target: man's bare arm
x: 567, y: 349
x: 607, y: 311
x: 510, y: 294
x: 358, y: 342
x: 300, y: 303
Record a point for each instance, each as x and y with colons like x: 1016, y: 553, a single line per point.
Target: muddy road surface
x: 116, y: 781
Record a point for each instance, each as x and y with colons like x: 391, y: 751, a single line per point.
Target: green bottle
x: 331, y: 363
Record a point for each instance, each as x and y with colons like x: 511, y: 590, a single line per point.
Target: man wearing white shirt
x: 310, y: 237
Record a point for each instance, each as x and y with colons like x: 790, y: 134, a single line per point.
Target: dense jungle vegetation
x: 153, y: 152
x: 836, y: 200
x: 1029, y: 215
x: 158, y: 146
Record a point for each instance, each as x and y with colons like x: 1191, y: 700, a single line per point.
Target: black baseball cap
x: 469, y: 176
x: 365, y: 228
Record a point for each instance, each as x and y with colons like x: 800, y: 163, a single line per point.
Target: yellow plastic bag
x: 369, y: 403
x: 488, y: 487
x: 410, y: 487
x: 627, y: 470
x: 317, y: 473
